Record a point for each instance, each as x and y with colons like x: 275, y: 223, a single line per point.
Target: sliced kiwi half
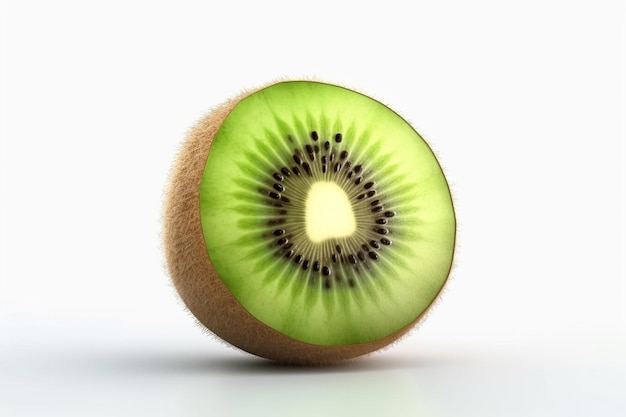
x: 308, y: 223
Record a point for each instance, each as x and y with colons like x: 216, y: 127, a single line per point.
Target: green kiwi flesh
x: 308, y: 223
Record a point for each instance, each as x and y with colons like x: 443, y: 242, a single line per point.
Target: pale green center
x: 328, y: 212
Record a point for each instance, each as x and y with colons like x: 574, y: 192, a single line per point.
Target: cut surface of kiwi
x: 311, y: 215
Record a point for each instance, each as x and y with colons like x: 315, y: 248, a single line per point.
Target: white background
x: 523, y: 102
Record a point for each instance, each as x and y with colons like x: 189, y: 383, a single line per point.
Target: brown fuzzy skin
x: 199, y: 285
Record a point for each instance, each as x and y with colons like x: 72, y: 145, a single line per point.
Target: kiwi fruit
x: 307, y: 223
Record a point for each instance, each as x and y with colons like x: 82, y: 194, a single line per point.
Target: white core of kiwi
x: 328, y: 212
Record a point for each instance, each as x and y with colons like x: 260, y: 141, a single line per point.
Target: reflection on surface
x: 117, y: 381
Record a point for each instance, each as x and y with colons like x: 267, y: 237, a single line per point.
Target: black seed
x: 307, y: 168
x: 288, y: 246
x: 344, y: 155
x: 381, y: 230
x: 282, y: 241
x: 358, y: 181
x: 285, y: 171
x: 350, y: 174
x: 348, y: 165
x: 305, y: 265
x: 381, y: 221
x: 337, y: 166
x: 327, y: 145
x: 326, y: 270
x: 351, y: 283
x: 324, y: 168
x: 385, y: 241
x: 373, y: 255
x: 279, y: 187
x: 327, y: 283
x: 298, y: 259
x: 297, y: 159
x: 295, y: 170
x: 279, y: 232
x: 332, y: 156
x: 375, y: 202
x: 338, y: 138
x: 358, y: 168
x: 309, y: 149
x: 360, y: 196
x: 334, y: 258
x: 274, y: 222
x: 371, y: 193
x: 314, y: 135
x: 377, y: 209
x: 316, y: 148
x: 278, y: 177
x: 364, y: 246
x: 274, y: 195
x: 338, y: 249
x: 368, y: 185
x: 361, y: 256
x: 282, y: 211
x: 390, y: 213
x: 289, y: 254
x: 285, y: 199
x: 374, y: 244
x: 352, y: 259
x: 316, y: 266
x: 324, y: 159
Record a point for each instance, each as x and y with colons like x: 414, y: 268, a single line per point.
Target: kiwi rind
x: 197, y: 281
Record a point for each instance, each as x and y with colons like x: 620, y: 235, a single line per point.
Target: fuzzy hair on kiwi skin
x: 198, y: 284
